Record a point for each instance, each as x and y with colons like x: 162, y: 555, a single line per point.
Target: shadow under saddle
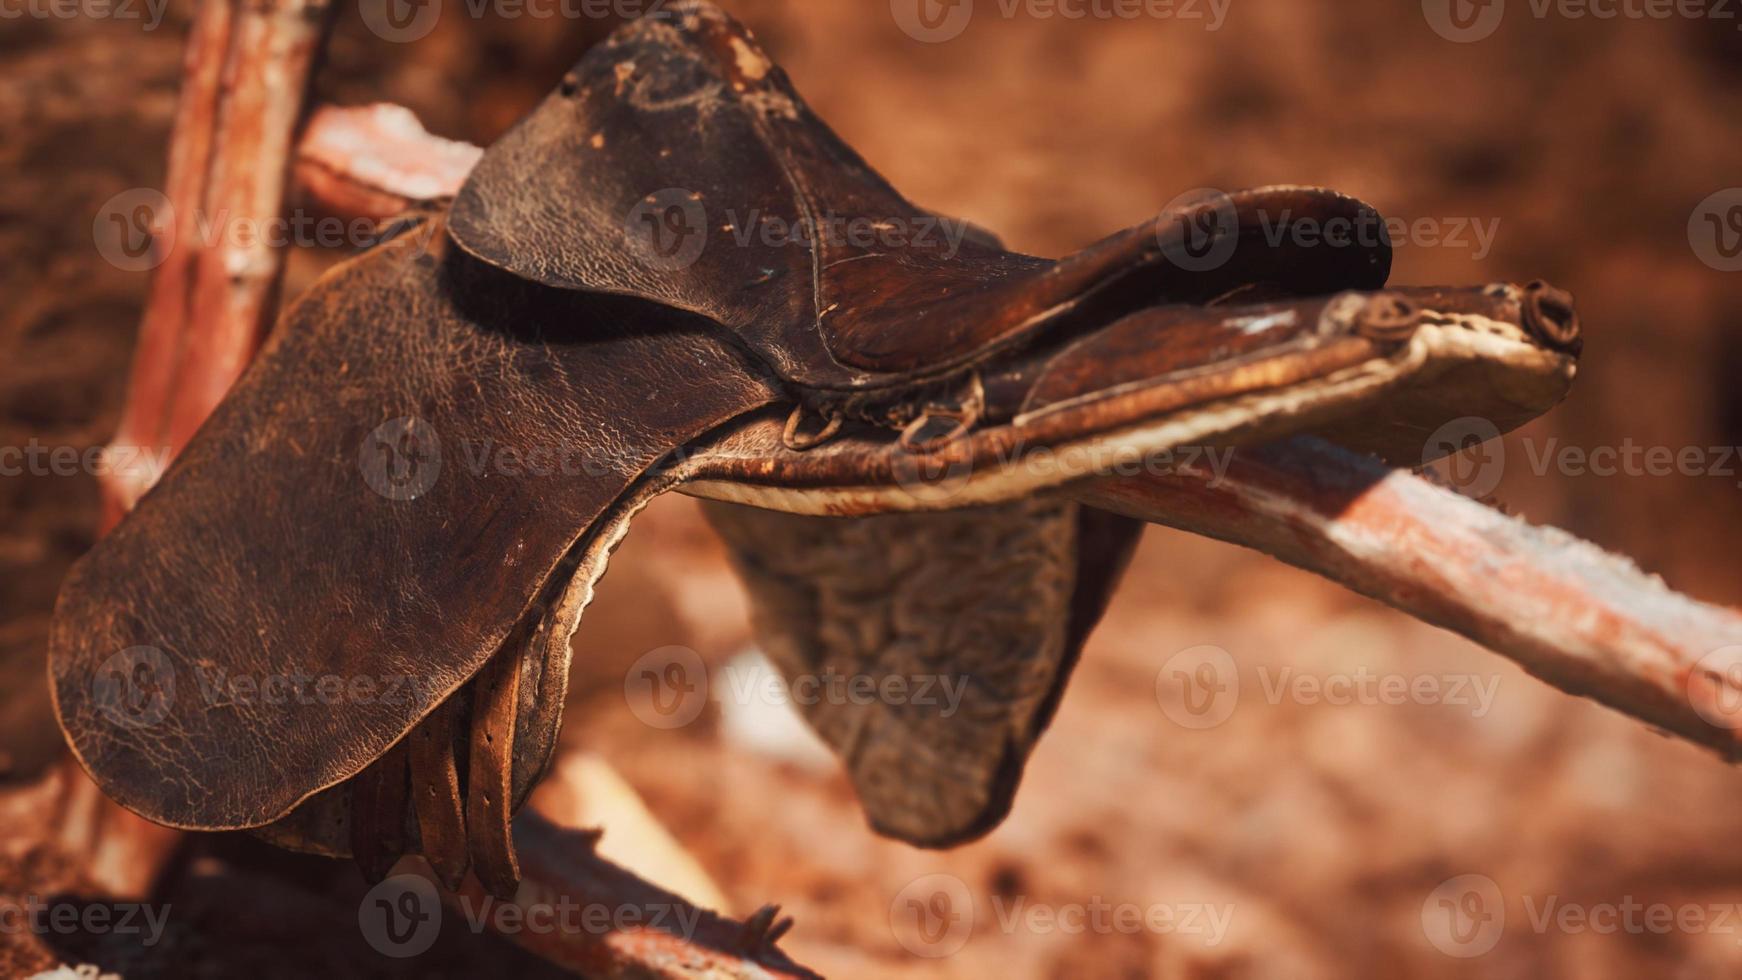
x: 878, y: 421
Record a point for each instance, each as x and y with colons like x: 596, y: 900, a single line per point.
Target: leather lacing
x: 913, y: 412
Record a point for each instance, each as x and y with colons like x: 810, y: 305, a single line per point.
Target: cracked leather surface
x: 266, y: 552
x: 979, y: 614
x: 680, y: 134
x: 428, y: 465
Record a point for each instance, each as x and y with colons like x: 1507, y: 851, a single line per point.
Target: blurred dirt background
x: 1323, y: 830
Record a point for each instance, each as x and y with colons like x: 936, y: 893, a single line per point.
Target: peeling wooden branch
x: 375, y: 161
x: 1581, y: 619
x: 1588, y: 622
x: 619, y: 926
x: 246, y: 77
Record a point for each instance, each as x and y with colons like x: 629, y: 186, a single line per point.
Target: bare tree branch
x: 652, y: 933
x: 1588, y: 622
x: 375, y: 161
x: 246, y: 78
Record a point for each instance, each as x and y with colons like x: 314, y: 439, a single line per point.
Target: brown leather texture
x: 367, y: 565
x: 294, y: 539
x: 676, y: 159
x: 978, y: 615
x: 1190, y: 362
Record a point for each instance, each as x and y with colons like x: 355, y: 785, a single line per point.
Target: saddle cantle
x: 342, y: 618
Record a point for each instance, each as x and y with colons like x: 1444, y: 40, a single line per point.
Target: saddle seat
x: 677, y: 165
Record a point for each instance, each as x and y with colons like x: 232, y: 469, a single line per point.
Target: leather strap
x: 489, y: 778
x: 435, y: 791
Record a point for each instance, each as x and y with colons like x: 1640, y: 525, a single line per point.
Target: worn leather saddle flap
x: 389, y: 490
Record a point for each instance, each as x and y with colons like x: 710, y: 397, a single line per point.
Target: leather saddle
x: 342, y: 618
